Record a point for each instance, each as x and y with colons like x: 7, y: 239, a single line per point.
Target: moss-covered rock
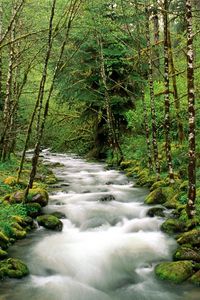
x: 176, y: 272
x: 156, y: 197
x: 184, y: 186
x: 160, y: 195
x: 38, y: 195
x: 58, y: 215
x: 17, y: 232
x: 25, y: 222
x: 127, y: 164
x: 186, y: 253
x: 173, y: 226
x: 33, y: 209
x: 158, y: 184
x: 17, y: 197
x: 4, y: 241
x: 50, y: 222
x: 156, y: 211
x: 51, y: 179
x: 13, y: 268
x: 191, y: 237
x: 195, y: 279
x: 3, y: 254
x: 172, y: 202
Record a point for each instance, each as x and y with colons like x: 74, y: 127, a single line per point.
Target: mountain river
x: 108, y: 247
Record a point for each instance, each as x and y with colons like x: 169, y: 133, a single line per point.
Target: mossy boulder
x: 25, y: 222
x: 13, y: 268
x: 58, y: 215
x: 158, y: 184
x: 3, y: 254
x: 184, y: 186
x: 156, y: 211
x: 195, y: 279
x: 172, y: 202
x: 17, y: 197
x: 191, y: 237
x: 17, y: 232
x: 38, y: 195
x: 50, y: 222
x: 186, y: 253
x: 33, y: 209
x: 173, y: 226
x: 176, y: 272
x: 127, y: 164
x: 51, y: 179
x: 160, y: 195
x: 4, y: 241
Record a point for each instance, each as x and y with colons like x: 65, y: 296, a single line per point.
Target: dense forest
x: 116, y: 81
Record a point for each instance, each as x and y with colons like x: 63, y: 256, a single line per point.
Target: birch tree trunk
x: 167, y: 97
x: 191, y: 113
x: 41, y: 90
x: 152, y: 96
x: 175, y: 90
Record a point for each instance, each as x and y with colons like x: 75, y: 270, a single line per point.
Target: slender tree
x: 152, y: 95
x: 191, y: 113
x: 167, y: 97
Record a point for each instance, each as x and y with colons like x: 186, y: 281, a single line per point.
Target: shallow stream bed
x: 108, y: 247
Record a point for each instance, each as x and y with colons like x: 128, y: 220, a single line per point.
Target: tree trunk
x: 167, y: 97
x: 191, y: 114
x: 112, y: 136
x: 175, y: 91
x: 152, y: 97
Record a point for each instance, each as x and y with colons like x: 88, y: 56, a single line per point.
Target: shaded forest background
x: 104, y: 79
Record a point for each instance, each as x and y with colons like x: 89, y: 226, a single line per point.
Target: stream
x: 108, y: 247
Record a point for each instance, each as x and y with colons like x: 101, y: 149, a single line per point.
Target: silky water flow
x: 108, y: 247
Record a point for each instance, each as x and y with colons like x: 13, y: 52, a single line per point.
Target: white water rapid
x: 108, y: 247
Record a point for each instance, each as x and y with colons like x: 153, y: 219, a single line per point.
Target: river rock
x: 107, y: 198
x: 173, y: 226
x: 195, y: 279
x: 3, y: 254
x: 58, y: 215
x: 33, y: 209
x: 176, y: 272
x: 4, y: 241
x: 50, y: 222
x: 156, y: 197
x: 186, y: 253
x: 156, y: 211
x: 191, y: 237
x: 38, y: 195
x: 13, y: 268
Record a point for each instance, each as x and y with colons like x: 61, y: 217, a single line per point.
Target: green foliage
x: 6, y: 214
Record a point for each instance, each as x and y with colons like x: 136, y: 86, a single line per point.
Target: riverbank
x: 169, y: 201
x: 18, y: 219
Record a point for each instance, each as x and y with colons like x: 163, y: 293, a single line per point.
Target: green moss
x: 195, y: 279
x: 50, y: 222
x: 156, y: 197
x: 38, y: 195
x: 13, y: 268
x: 158, y: 184
x: 3, y: 254
x: 33, y: 209
x: 173, y: 226
x: 191, y: 237
x: 176, y: 272
x: 186, y: 253
x: 127, y: 164
x: 51, y: 179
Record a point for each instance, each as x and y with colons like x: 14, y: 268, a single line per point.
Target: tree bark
x: 152, y: 96
x: 175, y: 91
x: 191, y: 113
x: 167, y: 97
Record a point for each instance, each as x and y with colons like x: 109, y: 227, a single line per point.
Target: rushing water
x: 108, y: 247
